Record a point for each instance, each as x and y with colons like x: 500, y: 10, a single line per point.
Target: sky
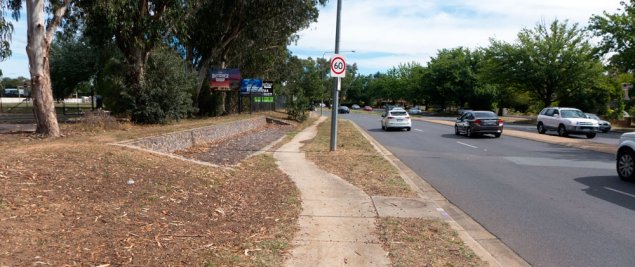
x: 384, y: 33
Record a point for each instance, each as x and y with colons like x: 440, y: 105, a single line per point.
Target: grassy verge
x: 418, y: 242
x: 410, y: 242
x: 356, y: 161
x: 78, y: 201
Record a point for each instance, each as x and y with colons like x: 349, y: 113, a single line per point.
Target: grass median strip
x: 356, y: 161
x: 409, y: 241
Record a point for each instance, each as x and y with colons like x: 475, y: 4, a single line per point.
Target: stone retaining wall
x: 171, y: 142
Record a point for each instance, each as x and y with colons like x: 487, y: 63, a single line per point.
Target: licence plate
x: 399, y: 119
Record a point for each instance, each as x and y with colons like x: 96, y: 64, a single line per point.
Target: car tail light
x: 500, y: 122
x: 391, y: 117
x: 407, y: 117
x: 477, y: 122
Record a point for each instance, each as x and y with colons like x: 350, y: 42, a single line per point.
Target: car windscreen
x: 487, y: 114
x: 398, y: 113
x: 571, y: 113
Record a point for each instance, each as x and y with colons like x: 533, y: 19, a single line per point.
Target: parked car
x: 478, y: 122
x: 414, y: 111
x: 368, y: 108
x: 605, y: 126
x: 343, y: 110
x: 396, y: 118
x: 355, y: 106
x: 626, y: 157
x: 463, y: 110
x: 566, y: 121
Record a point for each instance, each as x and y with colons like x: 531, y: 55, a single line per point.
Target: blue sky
x: 385, y: 34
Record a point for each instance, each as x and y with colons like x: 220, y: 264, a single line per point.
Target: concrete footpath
x: 338, y: 222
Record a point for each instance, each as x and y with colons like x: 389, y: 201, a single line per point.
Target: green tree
x: 550, y: 62
x: 74, y: 62
x: 138, y: 27
x: 452, y: 76
x: 250, y: 35
x: 617, y: 31
x: 301, y: 84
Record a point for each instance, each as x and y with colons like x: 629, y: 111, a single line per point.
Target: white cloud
x: 418, y: 27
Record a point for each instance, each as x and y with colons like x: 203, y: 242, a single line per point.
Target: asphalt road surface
x: 553, y: 205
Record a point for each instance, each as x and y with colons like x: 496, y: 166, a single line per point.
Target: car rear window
x: 487, y: 114
x: 398, y: 113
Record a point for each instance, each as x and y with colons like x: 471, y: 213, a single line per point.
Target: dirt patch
x: 77, y: 201
x: 356, y: 161
x: 418, y: 242
x: 232, y: 150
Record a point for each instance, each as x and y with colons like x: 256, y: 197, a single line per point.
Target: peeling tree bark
x: 39, y: 43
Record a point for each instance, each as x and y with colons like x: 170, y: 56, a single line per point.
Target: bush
x: 167, y: 95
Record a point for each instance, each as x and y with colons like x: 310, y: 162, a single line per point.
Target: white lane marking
x: 618, y: 191
x: 419, y: 130
x: 466, y: 144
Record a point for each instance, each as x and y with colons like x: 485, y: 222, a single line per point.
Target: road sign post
x: 335, y: 91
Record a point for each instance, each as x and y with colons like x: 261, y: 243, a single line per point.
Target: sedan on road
x: 343, y: 110
x: 605, y: 126
x: 396, y: 118
x: 474, y: 123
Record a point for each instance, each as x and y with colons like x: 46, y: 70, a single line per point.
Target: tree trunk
x: 38, y: 53
x: 137, y: 82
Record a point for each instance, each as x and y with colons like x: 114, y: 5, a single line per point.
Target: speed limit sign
x: 338, y: 66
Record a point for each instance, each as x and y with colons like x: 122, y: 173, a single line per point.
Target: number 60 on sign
x: 338, y: 66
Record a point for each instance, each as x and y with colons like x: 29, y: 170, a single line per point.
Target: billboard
x: 223, y: 79
x: 251, y: 86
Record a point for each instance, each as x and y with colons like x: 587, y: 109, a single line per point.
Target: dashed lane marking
x: 468, y: 145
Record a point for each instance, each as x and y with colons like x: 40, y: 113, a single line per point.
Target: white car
x: 626, y: 157
x: 414, y: 111
x: 566, y: 121
x: 396, y: 118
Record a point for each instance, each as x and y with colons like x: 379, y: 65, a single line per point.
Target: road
x: 553, y: 205
x: 610, y: 138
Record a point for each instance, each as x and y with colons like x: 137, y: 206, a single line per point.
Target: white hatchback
x: 396, y: 118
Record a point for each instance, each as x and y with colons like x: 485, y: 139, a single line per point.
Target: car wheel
x: 408, y: 129
x: 625, y: 165
x: 590, y: 135
x: 383, y: 127
x: 562, y: 131
x: 469, y: 132
x: 541, y: 128
x: 605, y: 131
x: 456, y: 130
x: 497, y: 135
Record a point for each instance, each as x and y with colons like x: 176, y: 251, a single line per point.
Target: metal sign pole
x: 335, y: 105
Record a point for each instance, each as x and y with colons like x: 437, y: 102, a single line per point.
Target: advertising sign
x: 223, y: 79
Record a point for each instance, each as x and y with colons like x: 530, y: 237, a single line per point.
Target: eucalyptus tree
x: 137, y: 27
x: 43, y: 19
x: 244, y: 34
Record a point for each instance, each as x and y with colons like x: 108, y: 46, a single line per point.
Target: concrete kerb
x: 487, y: 246
x: 556, y: 140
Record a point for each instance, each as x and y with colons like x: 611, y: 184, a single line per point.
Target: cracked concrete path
x: 338, y: 221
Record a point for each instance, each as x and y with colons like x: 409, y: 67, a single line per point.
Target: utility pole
x: 336, y: 82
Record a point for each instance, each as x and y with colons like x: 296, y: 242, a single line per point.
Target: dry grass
x: 410, y: 242
x: 418, y: 242
x: 356, y: 161
x: 69, y: 201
